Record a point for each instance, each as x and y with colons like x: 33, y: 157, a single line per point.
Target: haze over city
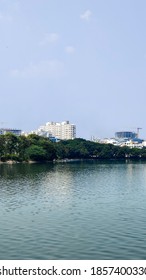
x: 82, y: 61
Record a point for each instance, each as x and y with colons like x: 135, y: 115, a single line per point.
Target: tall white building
x: 61, y: 130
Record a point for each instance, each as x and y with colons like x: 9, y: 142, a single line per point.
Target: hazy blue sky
x: 77, y: 60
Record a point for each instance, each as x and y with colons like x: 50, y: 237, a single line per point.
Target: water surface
x: 83, y: 210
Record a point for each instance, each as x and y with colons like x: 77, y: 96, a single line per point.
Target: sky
x: 77, y: 60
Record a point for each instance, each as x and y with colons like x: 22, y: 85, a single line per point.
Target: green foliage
x: 24, y: 148
x: 2, y: 145
x: 39, y: 148
x: 33, y: 139
x: 82, y: 149
x: 23, y: 144
x: 43, y: 150
x: 48, y: 147
x: 36, y: 153
x: 11, y: 143
x: 8, y: 157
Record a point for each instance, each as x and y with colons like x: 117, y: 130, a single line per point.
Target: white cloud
x: 49, y: 38
x: 86, y: 15
x: 70, y: 49
x: 49, y: 69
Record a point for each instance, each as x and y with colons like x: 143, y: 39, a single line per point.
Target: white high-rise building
x: 61, y: 130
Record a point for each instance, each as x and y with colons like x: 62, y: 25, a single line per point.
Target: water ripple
x: 73, y: 211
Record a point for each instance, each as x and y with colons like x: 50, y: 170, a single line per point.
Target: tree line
x: 41, y: 149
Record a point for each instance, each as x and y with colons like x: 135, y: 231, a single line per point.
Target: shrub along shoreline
x: 36, y: 148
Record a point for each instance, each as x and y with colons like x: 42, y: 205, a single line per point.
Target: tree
x: 2, y: 145
x: 48, y: 147
x: 36, y: 153
x: 11, y: 143
x: 23, y: 144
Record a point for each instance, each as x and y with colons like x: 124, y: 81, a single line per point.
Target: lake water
x: 82, y: 210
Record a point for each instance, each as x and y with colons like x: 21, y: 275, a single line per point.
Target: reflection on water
x: 84, y: 210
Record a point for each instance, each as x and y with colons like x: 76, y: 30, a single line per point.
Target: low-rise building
x: 3, y: 131
x: 125, y: 135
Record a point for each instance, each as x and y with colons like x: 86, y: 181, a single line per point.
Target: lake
x: 79, y: 210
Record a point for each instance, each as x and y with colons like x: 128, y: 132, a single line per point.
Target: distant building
x: 59, y: 130
x: 125, y: 135
x: 3, y: 131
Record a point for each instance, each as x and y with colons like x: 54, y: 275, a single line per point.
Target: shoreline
x: 66, y: 160
x: 9, y: 162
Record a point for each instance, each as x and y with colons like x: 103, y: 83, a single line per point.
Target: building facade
x: 125, y: 135
x: 59, y: 130
x: 3, y: 131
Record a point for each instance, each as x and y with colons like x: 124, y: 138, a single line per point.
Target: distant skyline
x: 78, y: 60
